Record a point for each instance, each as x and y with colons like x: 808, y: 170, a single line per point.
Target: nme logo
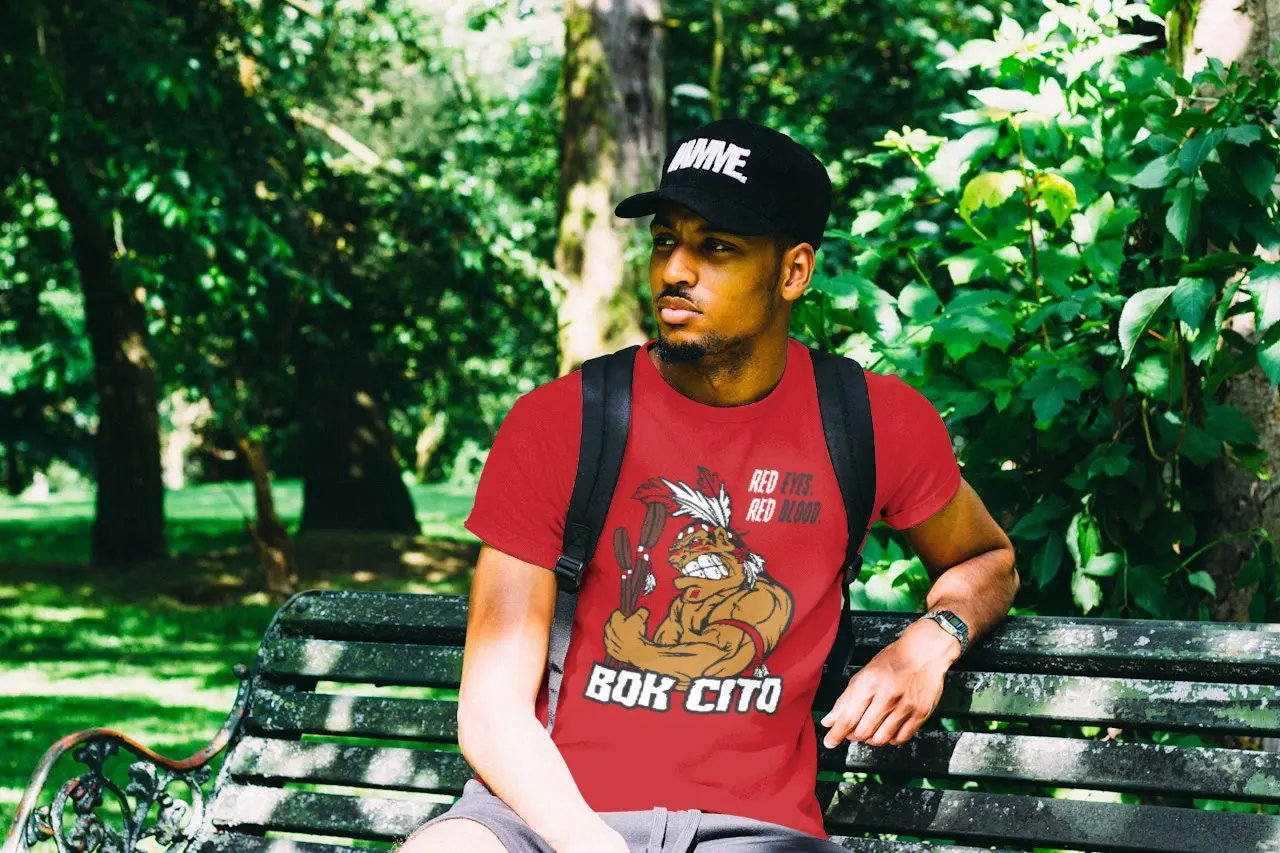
x: 713, y: 155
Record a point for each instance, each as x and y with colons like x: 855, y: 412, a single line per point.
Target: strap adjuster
x: 569, y: 573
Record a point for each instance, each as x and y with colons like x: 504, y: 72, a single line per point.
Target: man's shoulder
x: 557, y: 397
x: 885, y: 390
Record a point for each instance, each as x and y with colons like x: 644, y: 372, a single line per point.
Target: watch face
x: 954, y: 621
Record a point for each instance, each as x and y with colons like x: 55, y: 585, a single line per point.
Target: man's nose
x: 679, y: 268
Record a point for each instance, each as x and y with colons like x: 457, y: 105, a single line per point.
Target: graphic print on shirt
x: 726, y: 617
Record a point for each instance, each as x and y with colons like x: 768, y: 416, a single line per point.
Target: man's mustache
x: 675, y: 293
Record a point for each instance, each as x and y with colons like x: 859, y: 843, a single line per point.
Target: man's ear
x: 798, y: 265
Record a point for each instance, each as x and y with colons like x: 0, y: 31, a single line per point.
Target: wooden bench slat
x: 341, y: 615
x: 374, y: 663
x: 233, y: 842
x: 1074, y: 763
x: 1073, y: 824
x: 354, y: 716
x: 1195, y: 651
x: 1123, y: 702
x: 1174, y: 705
x: 1214, y: 651
x: 426, y: 771
x: 874, y: 845
x: 368, y: 818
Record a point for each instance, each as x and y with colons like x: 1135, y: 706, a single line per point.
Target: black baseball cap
x: 743, y: 178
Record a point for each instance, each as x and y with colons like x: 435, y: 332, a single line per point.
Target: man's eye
x: 662, y: 242
x: 717, y: 246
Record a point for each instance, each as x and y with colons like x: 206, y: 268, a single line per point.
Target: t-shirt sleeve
x: 523, y: 494
x: 916, y: 469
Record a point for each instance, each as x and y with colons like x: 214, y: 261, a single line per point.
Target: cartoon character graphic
x: 729, y: 614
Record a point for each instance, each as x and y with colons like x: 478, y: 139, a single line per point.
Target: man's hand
x: 891, y: 697
x: 624, y: 636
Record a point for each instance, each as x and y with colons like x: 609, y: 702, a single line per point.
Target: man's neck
x: 736, y: 378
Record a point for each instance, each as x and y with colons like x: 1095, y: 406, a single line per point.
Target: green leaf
x: 1151, y: 375
x: 1048, y: 404
x: 1204, y: 581
x: 1059, y: 196
x: 1104, y: 565
x: 883, y: 594
x: 990, y: 189
x: 1269, y: 355
x: 1229, y: 424
x: 1217, y: 261
x: 974, y: 264
x: 1047, y: 561
x: 1200, y: 447
x: 957, y: 156
x: 1010, y: 100
x: 1086, y: 226
x: 1264, y: 283
x: 1178, y: 219
x: 1084, y: 540
x: 1197, y: 149
x: 1137, y: 315
x: 144, y: 191
x: 1191, y: 299
x: 976, y: 53
x: 866, y: 222
x: 917, y: 301
x: 1034, y: 524
x: 1160, y: 172
x: 1251, y: 571
x: 1086, y: 592
x: 1257, y: 173
x: 1244, y: 134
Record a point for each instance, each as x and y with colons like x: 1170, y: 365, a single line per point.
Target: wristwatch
x: 952, y: 624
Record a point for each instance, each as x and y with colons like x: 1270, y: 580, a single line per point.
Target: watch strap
x: 952, y: 624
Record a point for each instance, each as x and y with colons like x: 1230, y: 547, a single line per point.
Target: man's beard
x: 725, y: 354
x: 689, y: 352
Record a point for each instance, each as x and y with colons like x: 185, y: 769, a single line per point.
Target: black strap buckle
x: 569, y: 573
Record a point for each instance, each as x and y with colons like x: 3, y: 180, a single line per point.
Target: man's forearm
x: 516, y: 759
x: 980, y: 590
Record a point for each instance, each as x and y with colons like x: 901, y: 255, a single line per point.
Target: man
x: 707, y: 612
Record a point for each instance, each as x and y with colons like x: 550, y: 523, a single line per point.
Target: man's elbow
x: 483, y: 718
x: 1013, y: 580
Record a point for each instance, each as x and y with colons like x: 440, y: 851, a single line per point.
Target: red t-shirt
x: 723, y: 545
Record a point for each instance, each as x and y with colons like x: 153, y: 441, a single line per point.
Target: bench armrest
x: 176, y: 822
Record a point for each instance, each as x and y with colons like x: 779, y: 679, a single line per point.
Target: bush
x: 1055, y: 275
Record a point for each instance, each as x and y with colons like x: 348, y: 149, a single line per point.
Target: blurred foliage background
x: 272, y: 272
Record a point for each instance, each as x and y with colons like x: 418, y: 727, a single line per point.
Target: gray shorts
x: 653, y: 831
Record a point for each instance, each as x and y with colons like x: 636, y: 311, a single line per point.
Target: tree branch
x: 345, y: 140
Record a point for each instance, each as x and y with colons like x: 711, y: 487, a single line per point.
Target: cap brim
x: 723, y: 214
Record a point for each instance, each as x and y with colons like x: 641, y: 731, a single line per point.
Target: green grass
x: 149, y: 649
x: 199, y: 520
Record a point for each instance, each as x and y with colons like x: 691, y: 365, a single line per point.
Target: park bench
x: 344, y: 729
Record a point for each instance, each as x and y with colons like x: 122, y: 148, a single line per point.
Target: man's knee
x: 458, y: 835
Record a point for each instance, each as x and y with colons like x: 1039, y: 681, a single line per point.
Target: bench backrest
x: 351, y: 734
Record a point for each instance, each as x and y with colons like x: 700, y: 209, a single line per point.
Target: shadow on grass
x: 148, y: 649
x: 33, y: 723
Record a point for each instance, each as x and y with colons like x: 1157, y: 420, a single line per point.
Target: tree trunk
x: 128, y: 523
x: 1234, y: 31
x: 351, y: 471
x: 270, y: 538
x: 611, y: 147
x: 428, y: 443
x: 15, y: 473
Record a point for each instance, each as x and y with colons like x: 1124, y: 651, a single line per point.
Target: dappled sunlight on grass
x: 148, y: 650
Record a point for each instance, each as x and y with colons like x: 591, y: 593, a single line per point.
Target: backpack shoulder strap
x: 606, y: 422
x: 847, y: 426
